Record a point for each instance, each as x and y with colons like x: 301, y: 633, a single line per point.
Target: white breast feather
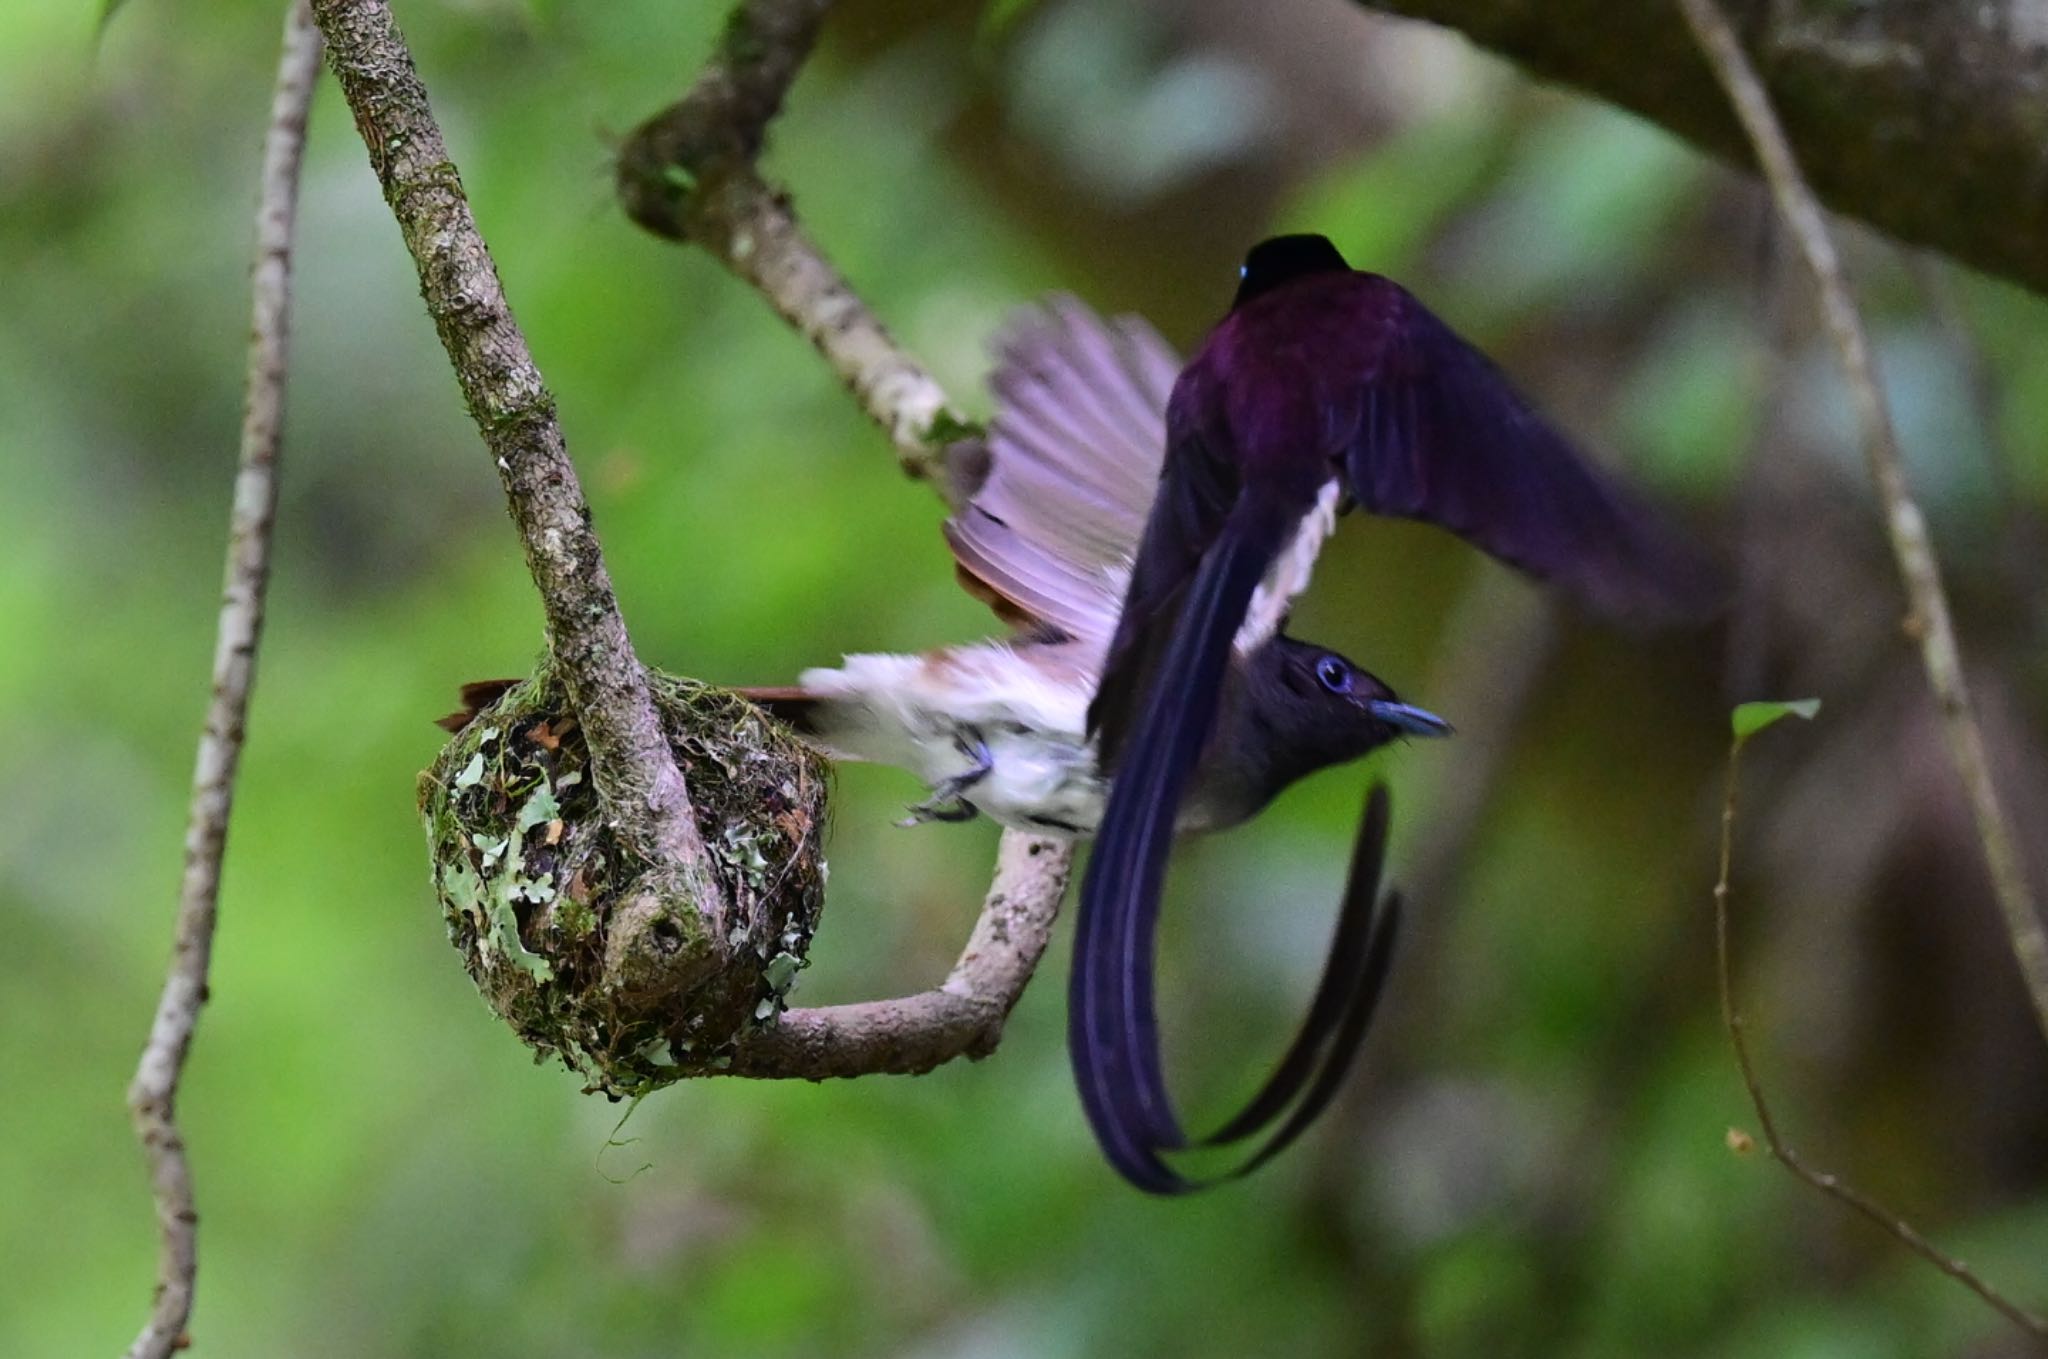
x: 907, y: 710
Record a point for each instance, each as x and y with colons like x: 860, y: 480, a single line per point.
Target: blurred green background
x: 1530, y: 1158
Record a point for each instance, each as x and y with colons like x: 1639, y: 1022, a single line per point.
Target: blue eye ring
x: 1333, y: 675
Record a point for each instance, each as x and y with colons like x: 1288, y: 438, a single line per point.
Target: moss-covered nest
x: 591, y: 955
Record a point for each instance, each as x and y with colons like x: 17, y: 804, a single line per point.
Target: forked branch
x: 751, y: 228
x: 690, y: 173
x: 1830, y: 1184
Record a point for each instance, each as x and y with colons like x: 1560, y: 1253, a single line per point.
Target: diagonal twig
x: 636, y: 774
x: 689, y: 174
x: 1827, y: 1183
x: 153, y: 1094
x: 1929, y: 622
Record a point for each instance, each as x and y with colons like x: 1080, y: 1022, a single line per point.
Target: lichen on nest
x: 591, y: 955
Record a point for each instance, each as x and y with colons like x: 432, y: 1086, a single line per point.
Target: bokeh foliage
x: 1534, y: 1160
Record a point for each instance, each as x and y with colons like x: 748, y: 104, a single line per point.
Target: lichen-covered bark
x: 1926, y: 118
x: 688, y: 173
x: 636, y: 774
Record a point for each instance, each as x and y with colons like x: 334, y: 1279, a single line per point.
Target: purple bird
x: 1052, y: 503
x: 1323, y: 388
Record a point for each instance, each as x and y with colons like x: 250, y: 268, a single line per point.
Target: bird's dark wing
x: 1057, y: 494
x: 1310, y: 1073
x: 1442, y: 435
x: 1112, y: 1033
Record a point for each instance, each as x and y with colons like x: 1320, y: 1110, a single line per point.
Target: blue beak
x: 1406, y: 717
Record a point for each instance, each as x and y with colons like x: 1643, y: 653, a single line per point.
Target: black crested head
x: 1303, y: 707
x: 1283, y: 259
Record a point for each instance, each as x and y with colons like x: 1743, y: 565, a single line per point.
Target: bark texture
x: 688, y: 174
x: 1925, y: 118
x: 153, y: 1094
x: 962, y: 1017
x: 637, y: 777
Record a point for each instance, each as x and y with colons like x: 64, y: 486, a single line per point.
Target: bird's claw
x: 941, y: 809
x: 947, y: 802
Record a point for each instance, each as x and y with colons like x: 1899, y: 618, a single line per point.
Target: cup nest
x: 592, y: 955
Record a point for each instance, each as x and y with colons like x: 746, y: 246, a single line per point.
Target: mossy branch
x: 690, y: 173
x: 1922, y: 119
x: 637, y: 778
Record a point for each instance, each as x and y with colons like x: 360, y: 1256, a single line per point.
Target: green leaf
x: 472, y: 773
x: 1751, y: 718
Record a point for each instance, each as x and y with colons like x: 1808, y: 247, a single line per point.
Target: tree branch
x: 152, y: 1095
x: 688, y: 174
x: 1929, y: 622
x: 1922, y: 119
x: 636, y: 774
x: 963, y: 1016
x: 1829, y: 1184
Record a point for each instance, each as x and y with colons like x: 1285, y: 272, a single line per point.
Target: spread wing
x: 1441, y: 435
x: 1057, y: 495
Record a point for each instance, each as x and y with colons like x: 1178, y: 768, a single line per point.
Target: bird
x: 1322, y: 389
x: 1052, y: 500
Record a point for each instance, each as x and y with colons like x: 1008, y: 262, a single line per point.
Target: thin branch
x: 643, y: 790
x: 153, y: 1094
x: 1827, y: 1183
x: 962, y: 1017
x: 1922, y: 119
x: 2022, y: 543
x: 1929, y: 622
x: 688, y: 173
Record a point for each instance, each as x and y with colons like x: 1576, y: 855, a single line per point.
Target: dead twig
x: 153, y: 1094
x: 1928, y: 622
x: 1829, y: 1184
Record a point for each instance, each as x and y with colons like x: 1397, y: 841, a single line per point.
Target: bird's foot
x: 947, y: 802
x: 940, y: 809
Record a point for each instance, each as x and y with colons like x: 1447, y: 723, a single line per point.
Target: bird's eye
x: 1334, y: 675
